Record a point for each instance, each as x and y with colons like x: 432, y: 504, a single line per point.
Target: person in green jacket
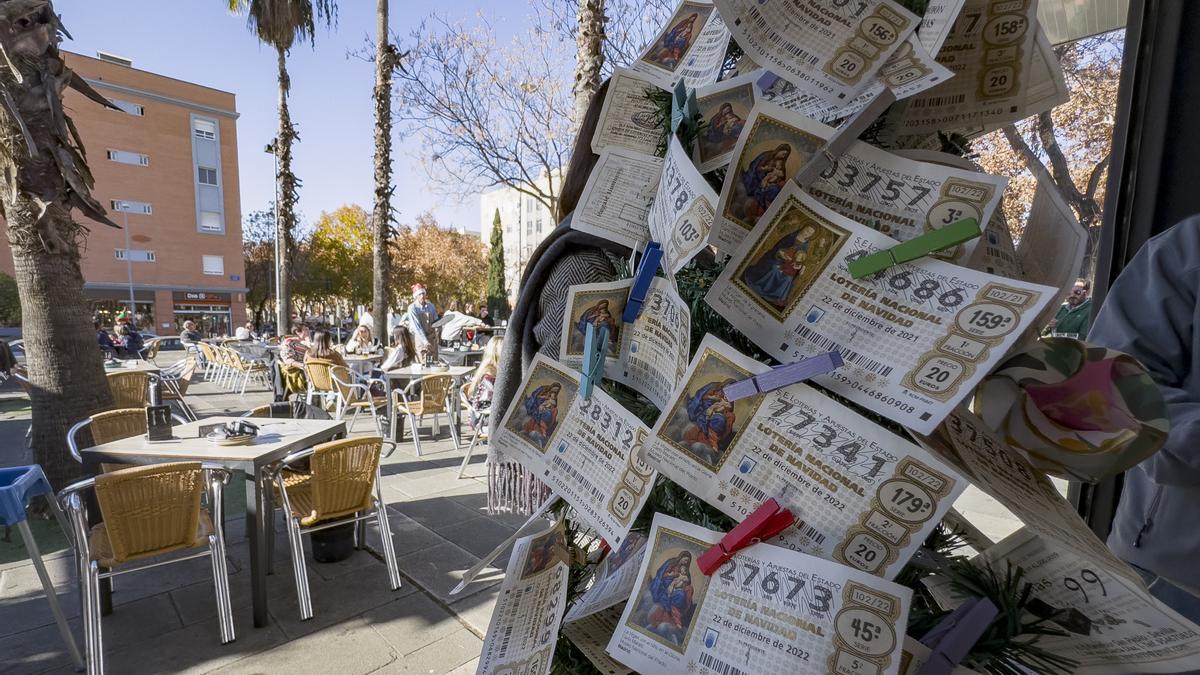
x: 1074, y: 318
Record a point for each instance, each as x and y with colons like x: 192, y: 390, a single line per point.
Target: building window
x: 211, y: 221
x: 131, y: 207
x: 207, y: 176
x: 130, y: 108
x: 126, y: 157
x: 134, y: 255
x: 205, y: 129
x: 214, y: 265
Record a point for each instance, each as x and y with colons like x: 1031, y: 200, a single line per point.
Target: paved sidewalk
x: 164, y: 620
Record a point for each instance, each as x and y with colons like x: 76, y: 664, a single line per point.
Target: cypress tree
x: 497, y: 292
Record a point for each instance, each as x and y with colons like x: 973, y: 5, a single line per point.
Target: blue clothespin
x: 954, y: 636
x: 651, y: 257
x: 595, y: 345
x: 684, y: 109
x: 781, y: 376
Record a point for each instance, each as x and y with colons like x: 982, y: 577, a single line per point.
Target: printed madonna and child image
x: 771, y: 156
x: 541, y: 405
x: 668, y: 50
x: 704, y: 423
x: 665, y: 605
x: 599, y: 309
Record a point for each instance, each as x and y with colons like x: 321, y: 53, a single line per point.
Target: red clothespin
x: 767, y: 521
x: 782, y: 376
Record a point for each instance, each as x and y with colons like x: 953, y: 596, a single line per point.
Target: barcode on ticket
x: 718, y: 666
x: 825, y: 344
x: 775, y: 38
x: 597, y: 494
x: 811, y: 532
x: 749, y: 489
x: 938, y: 101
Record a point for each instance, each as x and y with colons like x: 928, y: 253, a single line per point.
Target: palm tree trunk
x: 589, y: 57
x: 63, y: 360
x: 385, y: 61
x: 285, y: 225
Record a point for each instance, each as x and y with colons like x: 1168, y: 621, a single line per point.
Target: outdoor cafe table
x: 132, y: 366
x: 276, y: 438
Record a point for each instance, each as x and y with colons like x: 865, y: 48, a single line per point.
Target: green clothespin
x: 684, y: 109
x: 918, y: 247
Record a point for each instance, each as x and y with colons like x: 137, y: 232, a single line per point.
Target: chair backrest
x: 129, y: 389
x: 149, y: 510
x: 318, y: 371
x: 342, y: 378
x: 343, y: 477
x: 113, y: 425
x: 435, y: 392
x: 22, y: 374
x: 206, y: 351
x: 151, y: 349
x: 185, y: 376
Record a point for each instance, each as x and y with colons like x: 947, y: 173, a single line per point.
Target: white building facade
x: 525, y: 222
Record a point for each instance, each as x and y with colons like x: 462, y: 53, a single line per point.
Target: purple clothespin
x: 954, y: 636
x: 641, y: 281
x: 781, y: 376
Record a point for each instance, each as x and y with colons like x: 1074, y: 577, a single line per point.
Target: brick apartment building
x: 167, y: 164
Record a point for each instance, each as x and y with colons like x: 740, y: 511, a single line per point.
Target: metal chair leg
x: 94, y: 645
x: 216, y: 549
x: 385, y: 532
x: 360, y: 533
x: 48, y: 585
x: 453, y: 431
x: 299, y: 569
x: 416, y: 433
x: 462, y: 470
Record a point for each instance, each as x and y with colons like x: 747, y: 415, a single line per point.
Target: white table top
x: 276, y: 438
x: 407, y: 373
x: 139, y: 366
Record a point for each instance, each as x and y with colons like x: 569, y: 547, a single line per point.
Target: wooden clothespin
x: 595, y: 345
x: 781, y: 376
x: 651, y: 257
x: 954, y: 636
x: 768, y: 520
x: 917, y: 247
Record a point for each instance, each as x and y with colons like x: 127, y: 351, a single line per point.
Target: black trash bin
x: 333, y: 544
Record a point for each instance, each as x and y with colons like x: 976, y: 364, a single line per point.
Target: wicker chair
x: 150, y: 350
x: 129, y: 389
x: 479, y: 418
x: 208, y: 358
x: 177, y: 379
x: 354, y: 393
x: 147, y: 511
x: 341, y: 486
x: 245, y: 369
x: 110, y: 425
x: 320, y: 381
x: 433, y: 399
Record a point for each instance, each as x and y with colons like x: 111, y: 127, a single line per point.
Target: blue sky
x: 200, y: 41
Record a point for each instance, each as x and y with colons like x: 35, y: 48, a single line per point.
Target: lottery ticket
x: 629, y: 116
x: 649, y: 354
x: 586, y: 451
x: 524, y: 626
x: 691, y: 47
x: 724, y: 108
x: 591, y: 636
x: 989, y: 50
x: 916, y: 655
x: 614, y: 579
x: 1112, y: 625
x: 900, y: 197
x: 681, y: 217
x: 982, y: 456
x: 863, y: 496
x: 916, y: 338
x: 832, y: 50
x: 766, y: 611
x: 615, y: 203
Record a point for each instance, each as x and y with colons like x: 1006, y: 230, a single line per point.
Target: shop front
x: 211, y: 312
x: 107, y: 304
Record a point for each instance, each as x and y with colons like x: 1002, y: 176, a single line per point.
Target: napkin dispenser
x: 158, y: 416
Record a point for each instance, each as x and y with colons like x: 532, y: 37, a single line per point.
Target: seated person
x: 190, y: 335
x: 105, y: 340
x: 129, y: 341
x: 479, y: 390
x: 322, y: 348
x: 361, y: 342
x: 295, y: 346
x: 242, y: 334
x: 404, y: 353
